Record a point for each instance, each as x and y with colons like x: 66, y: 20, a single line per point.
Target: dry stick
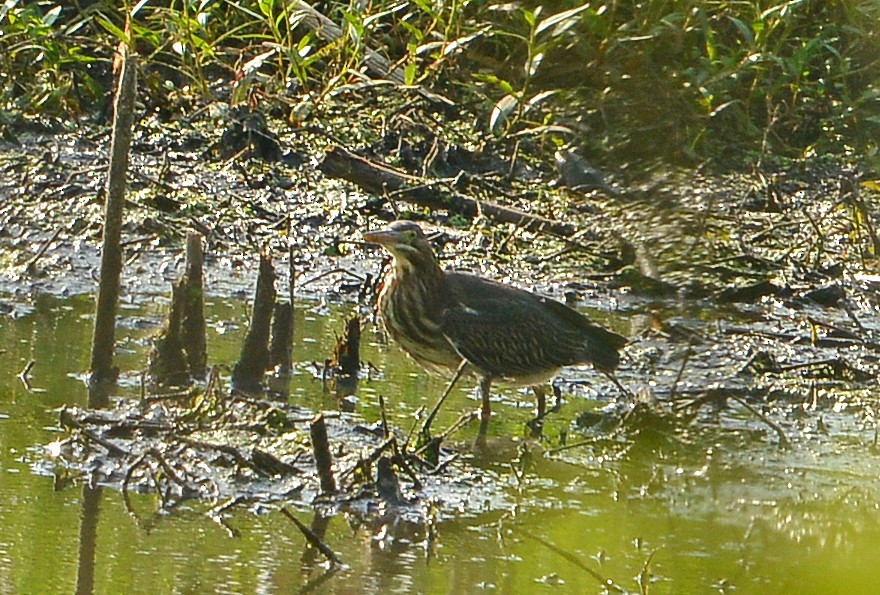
x: 27, y: 370
x: 430, y: 419
x: 401, y: 460
x: 321, y: 450
x: 318, y: 526
x: 312, y: 538
x: 385, y: 432
x: 684, y: 363
x: 29, y: 267
x: 380, y: 178
x: 333, y: 272
x: 607, y: 583
x: 221, y: 508
x: 462, y: 421
x: 783, y: 439
x: 644, y: 577
x: 412, y: 430
x: 370, y: 459
x: 626, y: 392
x: 104, y: 338
x: 110, y: 446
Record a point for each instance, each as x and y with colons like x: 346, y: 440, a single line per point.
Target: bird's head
x: 406, y: 242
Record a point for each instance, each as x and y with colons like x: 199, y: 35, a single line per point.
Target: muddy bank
x: 666, y: 235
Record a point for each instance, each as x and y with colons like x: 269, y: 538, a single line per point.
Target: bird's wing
x: 506, y: 331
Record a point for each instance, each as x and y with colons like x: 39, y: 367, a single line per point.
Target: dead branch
x: 380, y: 178
x: 312, y: 539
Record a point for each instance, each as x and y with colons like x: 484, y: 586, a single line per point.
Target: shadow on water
x: 705, y: 503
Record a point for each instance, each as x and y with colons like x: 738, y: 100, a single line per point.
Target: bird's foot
x: 536, y: 427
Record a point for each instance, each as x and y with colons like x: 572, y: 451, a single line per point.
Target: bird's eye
x: 410, y: 235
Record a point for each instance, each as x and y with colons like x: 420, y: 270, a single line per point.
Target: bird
x: 450, y: 321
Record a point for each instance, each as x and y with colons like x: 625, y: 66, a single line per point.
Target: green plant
x: 33, y: 39
x: 541, y: 37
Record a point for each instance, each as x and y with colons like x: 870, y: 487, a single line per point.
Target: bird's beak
x: 383, y: 237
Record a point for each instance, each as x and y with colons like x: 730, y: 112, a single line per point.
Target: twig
x: 684, y: 363
x: 626, y: 392
x: 607, y: 583
x: 462, y: 421
x: 333, y: 272
x: 33, y: 261
x: 312, y: 538
x: 400, y: 459
x: 426, y: 427
x: 412, y: 429
x: 26, y: 371
x: 385, y: 431
x: 644, y: 578
x: 372, y: 458
x: 783, y: 439
x: 113, y: 448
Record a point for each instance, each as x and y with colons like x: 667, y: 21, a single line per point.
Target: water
x: 716, y: 508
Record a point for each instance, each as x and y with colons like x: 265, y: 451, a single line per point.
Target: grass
x: 676, y: 80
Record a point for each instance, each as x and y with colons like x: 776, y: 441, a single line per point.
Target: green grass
x: 679, y: 80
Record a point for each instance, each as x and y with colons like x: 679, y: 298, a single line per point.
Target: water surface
x: 708, y: 511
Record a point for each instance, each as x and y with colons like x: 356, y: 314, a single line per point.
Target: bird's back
x: 509, y: 332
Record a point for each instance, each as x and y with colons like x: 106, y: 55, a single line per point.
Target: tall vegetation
x: 685, y: 79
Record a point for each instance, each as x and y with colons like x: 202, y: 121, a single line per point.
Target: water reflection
x: 88, y: 538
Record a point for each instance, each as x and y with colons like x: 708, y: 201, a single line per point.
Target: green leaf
x: 113, y: 30
x: 533, y: 64
x: 50, y: 17
x: 409, y: 73
x: 494, y: 80
x: 256, y: 62
x: 501, y: 112
x: 456, y: 44
x: 561, y: 17
x: 743, y: 29
x: 539, y: 97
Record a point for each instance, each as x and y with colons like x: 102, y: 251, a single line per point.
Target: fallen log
x: 380, y: 178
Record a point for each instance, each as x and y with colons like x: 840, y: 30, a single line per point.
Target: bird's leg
x: 537, y: 423
x: 557, y: 397
x: 485, y: 385
x: 486, y: 410
x: 541, y: 396
x: 426, y: 427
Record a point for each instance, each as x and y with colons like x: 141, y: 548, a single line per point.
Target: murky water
x: 697, y: 513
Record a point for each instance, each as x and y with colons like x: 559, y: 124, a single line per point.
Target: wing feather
x: 505, y: 331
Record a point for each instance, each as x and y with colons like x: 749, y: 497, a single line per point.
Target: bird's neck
x: 427, y: 273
